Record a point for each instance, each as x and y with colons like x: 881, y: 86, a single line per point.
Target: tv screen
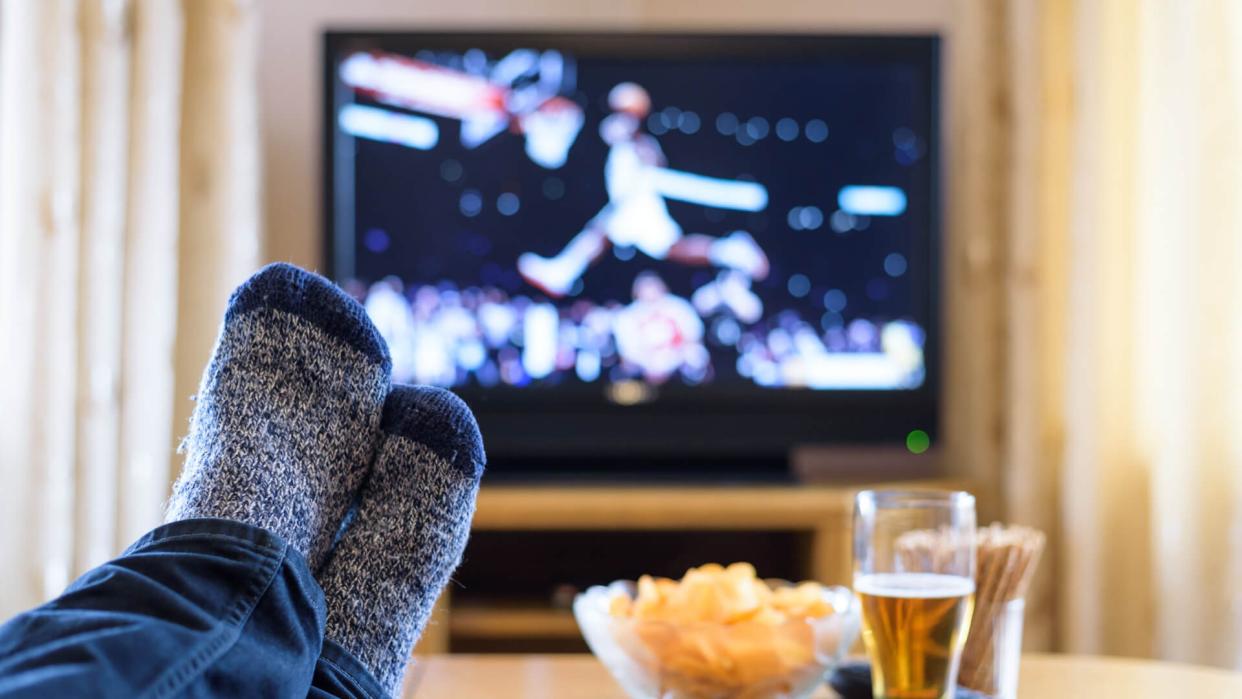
x: 643, y: 239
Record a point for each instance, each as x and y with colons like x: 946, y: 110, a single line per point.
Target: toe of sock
x: 285, y: 287
x: 439, y: 420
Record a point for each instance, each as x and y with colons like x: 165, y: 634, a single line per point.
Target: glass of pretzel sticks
x: 1006, y: 557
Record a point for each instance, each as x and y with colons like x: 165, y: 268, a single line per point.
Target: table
x: 582, y: 677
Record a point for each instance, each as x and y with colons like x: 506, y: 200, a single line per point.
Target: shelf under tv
x: 817, y: 515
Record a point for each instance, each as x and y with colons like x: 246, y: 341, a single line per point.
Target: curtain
x: 128, y: 209
x: 1123, y: 318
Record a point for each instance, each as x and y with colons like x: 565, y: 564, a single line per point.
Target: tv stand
x: 819, y: 515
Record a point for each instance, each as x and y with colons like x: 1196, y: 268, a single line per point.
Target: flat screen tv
x: 646, y: 253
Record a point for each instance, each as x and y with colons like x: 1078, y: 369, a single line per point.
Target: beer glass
x: 915, y: 609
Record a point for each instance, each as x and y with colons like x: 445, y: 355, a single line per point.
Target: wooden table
x: 582, y: 677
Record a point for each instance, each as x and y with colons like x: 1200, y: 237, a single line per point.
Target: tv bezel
x: 685, y: 431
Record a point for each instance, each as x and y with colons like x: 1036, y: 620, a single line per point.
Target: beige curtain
x: 1123, y: 323
x: 128, y: 209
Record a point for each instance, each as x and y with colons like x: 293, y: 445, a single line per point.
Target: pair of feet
x: 297, y: 429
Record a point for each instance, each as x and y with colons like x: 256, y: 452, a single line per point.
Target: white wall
x: 290, y: 66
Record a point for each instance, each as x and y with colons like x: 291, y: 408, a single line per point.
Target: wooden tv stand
x: 822, y: 511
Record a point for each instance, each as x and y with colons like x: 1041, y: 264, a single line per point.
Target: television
x: 646, y: 254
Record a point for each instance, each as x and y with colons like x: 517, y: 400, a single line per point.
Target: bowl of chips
x: 718, y: 633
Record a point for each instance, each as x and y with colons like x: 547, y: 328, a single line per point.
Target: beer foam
x: 913, y: 585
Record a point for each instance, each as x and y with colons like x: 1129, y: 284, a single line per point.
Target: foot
x: 736, y: 294
x: 549, y: 275
x: 739, y: 251
x: 288, y: 412
x: 409, y: 532
x: 729, y: 290
x: 706, y: 299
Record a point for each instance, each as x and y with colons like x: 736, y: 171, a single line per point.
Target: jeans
x: 197, y: 608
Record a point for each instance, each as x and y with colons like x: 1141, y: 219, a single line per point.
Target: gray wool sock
x: 408, y: 532
x: 287, y: 415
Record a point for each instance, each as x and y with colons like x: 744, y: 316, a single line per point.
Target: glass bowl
x: 662, y: 659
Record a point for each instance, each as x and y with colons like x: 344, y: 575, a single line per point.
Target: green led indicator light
x: 917, y: 441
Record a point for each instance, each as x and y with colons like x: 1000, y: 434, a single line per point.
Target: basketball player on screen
x: 638, y: 182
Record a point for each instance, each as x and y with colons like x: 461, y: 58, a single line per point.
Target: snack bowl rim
x: 842, y: 599
x: 600, y: 630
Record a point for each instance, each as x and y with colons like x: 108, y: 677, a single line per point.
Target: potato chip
x: 723, y: 632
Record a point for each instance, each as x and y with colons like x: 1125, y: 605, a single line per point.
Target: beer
x: 914, y: 625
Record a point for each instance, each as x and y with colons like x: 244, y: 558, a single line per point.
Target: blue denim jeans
x: 199, y: 608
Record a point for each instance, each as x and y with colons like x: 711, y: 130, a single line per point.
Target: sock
x: 408, y: 532
x: 287, y: 415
